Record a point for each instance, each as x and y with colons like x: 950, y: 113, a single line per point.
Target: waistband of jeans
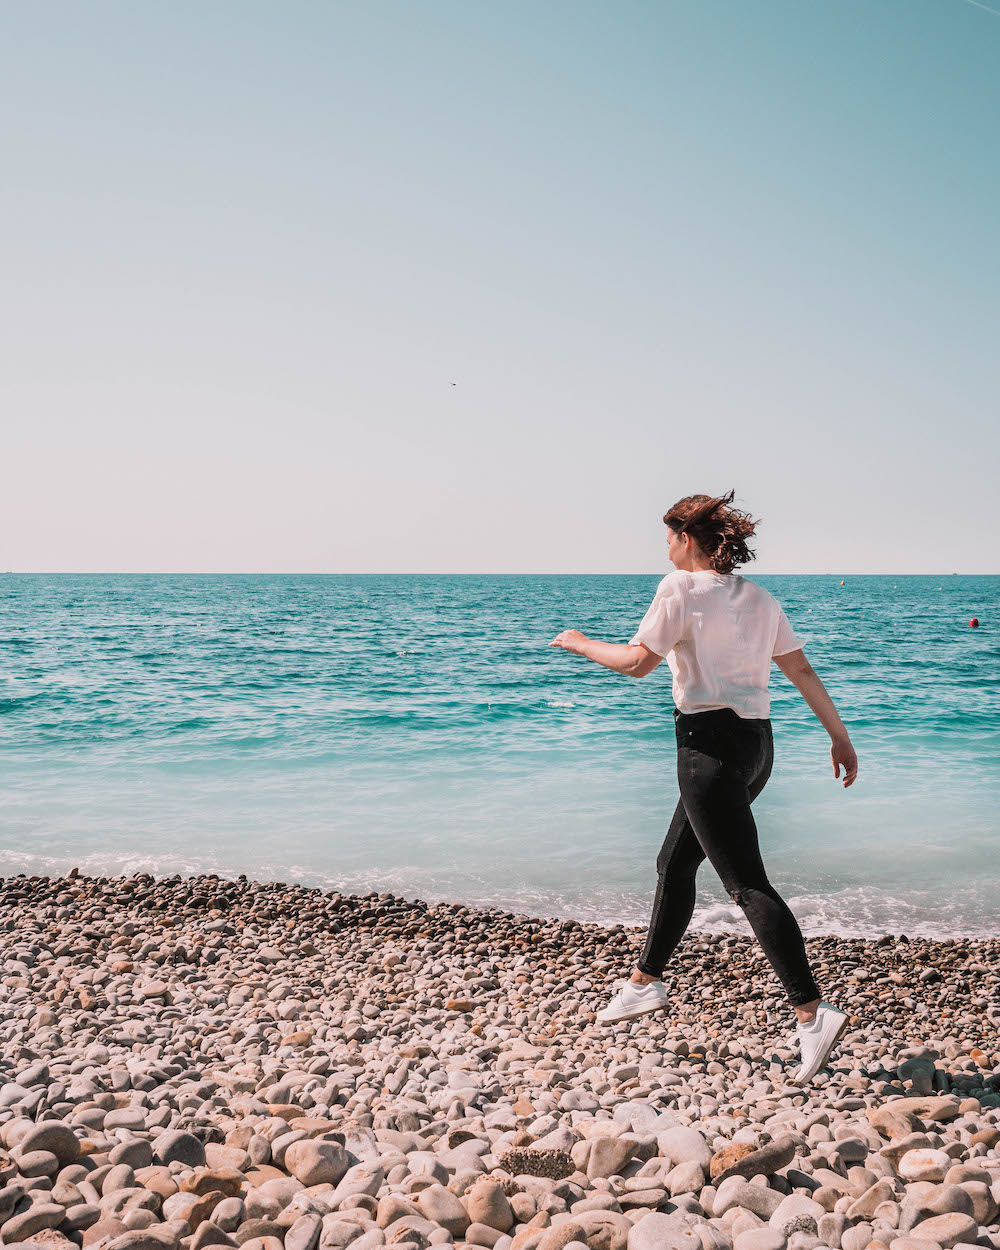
x: 718, y: 716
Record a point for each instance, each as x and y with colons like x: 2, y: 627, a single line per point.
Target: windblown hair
x: 719, y: 530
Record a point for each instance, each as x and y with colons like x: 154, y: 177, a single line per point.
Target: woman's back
x: 718, y: 632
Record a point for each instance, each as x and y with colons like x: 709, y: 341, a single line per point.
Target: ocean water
x: 415, y: 734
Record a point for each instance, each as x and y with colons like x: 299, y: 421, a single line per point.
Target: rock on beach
x: 189, y: 1062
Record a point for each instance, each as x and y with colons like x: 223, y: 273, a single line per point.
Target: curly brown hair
x: 719, y: 530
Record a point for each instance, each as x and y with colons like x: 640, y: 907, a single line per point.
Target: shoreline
x: 715, y: 917
x: 196, y: 1061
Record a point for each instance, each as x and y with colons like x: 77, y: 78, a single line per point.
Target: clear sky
x: 458, y: 286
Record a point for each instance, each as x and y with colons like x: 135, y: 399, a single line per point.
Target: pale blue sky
x: 658, y: 247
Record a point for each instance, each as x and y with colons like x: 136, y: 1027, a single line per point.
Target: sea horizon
x: 744, y: 572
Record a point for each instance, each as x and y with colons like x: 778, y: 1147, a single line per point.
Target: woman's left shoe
x: 817, y: 1039
x: 634, y: 1000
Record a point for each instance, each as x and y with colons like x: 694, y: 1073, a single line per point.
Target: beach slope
x: 202, y: 1061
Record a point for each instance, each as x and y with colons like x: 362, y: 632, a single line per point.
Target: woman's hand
x: 632, y: 661
x: 844, y: 756
x: 570, y: 640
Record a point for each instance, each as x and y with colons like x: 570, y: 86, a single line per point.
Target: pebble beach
x: 197, y: 1061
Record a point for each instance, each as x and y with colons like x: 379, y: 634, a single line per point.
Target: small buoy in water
x: 974, y: 623
x: 841, y: 581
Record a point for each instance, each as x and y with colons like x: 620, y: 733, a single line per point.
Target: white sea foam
x: 855, y: 912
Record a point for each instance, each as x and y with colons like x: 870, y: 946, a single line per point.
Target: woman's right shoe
x: 633, y: 1000
x: 817, y: 1039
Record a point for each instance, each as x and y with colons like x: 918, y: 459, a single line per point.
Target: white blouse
x: 718, y: 633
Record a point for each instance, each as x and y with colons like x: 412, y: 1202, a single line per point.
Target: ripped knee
x: 740, y: 897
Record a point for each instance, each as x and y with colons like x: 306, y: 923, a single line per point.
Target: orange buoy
x: 974, y: 623
x: 841, y: 581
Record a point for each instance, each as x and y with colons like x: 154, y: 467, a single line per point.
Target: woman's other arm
x: 804, y: 677
x: 632, y: 661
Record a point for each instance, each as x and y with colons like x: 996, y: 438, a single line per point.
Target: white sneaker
x: 817, y: 1039
x: 633, y: 1000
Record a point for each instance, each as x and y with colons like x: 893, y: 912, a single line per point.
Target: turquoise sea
x: 415, y: 734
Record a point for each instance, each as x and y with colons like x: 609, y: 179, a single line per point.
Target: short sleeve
x: 663, y: 625
x: 785, y: 639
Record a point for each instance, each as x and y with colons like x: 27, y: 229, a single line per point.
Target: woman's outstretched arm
x: 804, y: 677
x: 632, y: 661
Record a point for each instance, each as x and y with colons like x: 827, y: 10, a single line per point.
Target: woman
x: 719, y: 633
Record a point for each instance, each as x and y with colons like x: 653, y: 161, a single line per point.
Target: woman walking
x: 719, y: 633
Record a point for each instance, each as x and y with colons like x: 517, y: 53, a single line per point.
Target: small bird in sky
x: 454, y: 384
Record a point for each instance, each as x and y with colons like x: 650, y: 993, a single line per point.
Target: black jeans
x: 723, y: 763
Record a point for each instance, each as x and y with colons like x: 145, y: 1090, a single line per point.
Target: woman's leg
x: 673, y: 903
x: 717, y: 800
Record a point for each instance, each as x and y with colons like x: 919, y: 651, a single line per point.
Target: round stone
x: 442, y: 1206
x: 764, y: 1238
x: 486, y: 1203
x: 176, y: 1146
x: 41, y: 1215
x: 663, y: 1231
x: 316, y: 1162
x: 947, y: 1230
x: 924, y: 1165
x: 55, y: 1137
